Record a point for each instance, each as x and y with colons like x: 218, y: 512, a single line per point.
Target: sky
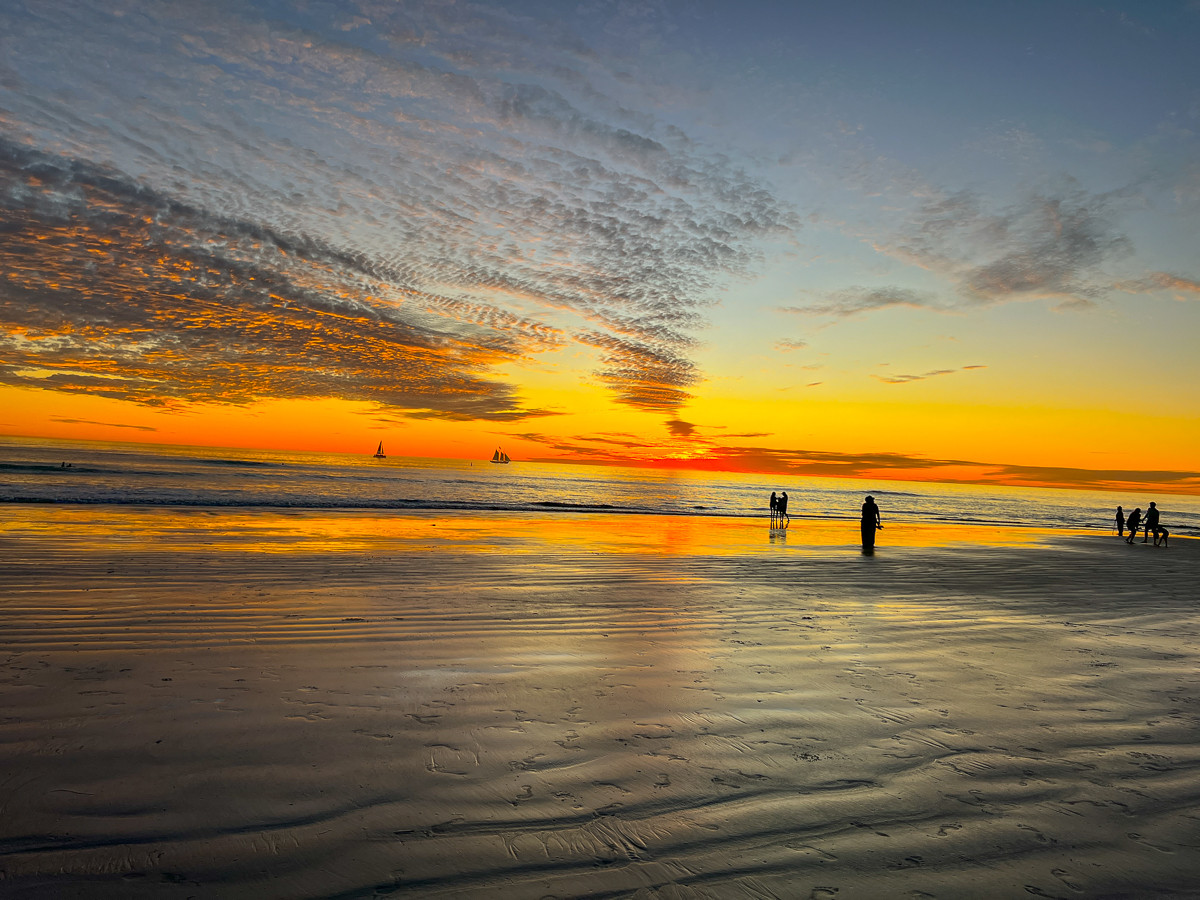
x: 917, y: 240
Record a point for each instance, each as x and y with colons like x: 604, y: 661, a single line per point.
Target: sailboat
x: 379, y: 454
x: 499, y: 456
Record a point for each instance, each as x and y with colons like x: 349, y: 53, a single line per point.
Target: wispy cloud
x: 1178, y: 286
x: 67, y: 421
x: 855, y: 300
x: 905, y: 379
x: 803, y: 463
x: 1050, y: 243
x: 1055, y: 242
x: 787, y: 345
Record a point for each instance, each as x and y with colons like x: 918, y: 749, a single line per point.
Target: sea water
x: 83, y: 472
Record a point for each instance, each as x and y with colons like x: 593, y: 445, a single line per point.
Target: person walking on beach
x: 1120, y: 522
x: 783, y: 513
x: 870, y: 523
x: 1134, y: 520
x: 774, y: 508
x: 1151, y: 523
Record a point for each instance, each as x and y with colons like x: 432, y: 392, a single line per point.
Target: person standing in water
x: 784, y: 518
x: 1120, y: 522
x: 774, y: 508
x: 870, y: 522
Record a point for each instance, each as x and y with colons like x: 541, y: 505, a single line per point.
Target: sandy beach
x: 304, y: 705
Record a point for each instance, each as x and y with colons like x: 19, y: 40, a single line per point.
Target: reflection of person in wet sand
x: 870, y: 523
x: 783, y: 513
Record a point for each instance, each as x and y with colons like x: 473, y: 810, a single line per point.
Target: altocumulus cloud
x: 372, y: 201
x: 115, y: 290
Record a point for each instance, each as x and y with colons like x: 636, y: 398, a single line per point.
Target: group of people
x: 1148, y: 524
x: 870, y: 518
x: 779, y: 513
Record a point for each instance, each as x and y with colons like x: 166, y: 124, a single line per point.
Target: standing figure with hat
x: 870, y: 522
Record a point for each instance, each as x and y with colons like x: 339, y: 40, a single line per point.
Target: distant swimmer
x: 870, y: 524
x: 1120, y: 522
x: 1151, y: 523
x: 1134, y: 520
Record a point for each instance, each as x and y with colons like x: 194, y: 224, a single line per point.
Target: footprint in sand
x: 1037, y: 834
x: 823, y: 893
x: 1134, y: 836
x: 1065, y: 877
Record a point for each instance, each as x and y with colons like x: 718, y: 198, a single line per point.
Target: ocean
x: 115, y: 474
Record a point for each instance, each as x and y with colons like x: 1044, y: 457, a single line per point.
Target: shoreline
x: 290, y: 529
x: 510, y: 708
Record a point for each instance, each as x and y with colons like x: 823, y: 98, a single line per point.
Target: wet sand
x: 294, y: 705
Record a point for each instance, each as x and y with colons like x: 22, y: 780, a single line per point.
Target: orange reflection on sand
x: 176, y: 530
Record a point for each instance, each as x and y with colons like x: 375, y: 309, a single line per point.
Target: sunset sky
x: 891, y: 239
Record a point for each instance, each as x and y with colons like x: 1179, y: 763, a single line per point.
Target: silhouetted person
x: 1134, y: 520
x: 1151, y: 523
x: 774, y: 507
x: 783, y: 513
x: 870, y: 522
x: 1120, y: 522
x: 1162, y: 535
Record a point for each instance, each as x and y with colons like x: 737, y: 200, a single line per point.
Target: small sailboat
x: 499, y: 456
x: 379, y: 454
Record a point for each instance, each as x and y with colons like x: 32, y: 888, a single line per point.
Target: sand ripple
x: 980, y: 723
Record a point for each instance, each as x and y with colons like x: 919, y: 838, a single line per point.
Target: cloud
x: 803, y: 463
x: 1055, y: 241
x: 787, y: 345
x: 367, y: 200
x: 1050, y: 243
x: 905, y: 379
x: 856, y: 300
x: 680, y: 429
x: 118, y: 291
x: 1181, y: 287
x: 66, y: 421
x: 645, y: 375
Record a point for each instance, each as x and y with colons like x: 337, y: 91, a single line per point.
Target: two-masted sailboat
x: 379, y: 454
x: 499, y: 456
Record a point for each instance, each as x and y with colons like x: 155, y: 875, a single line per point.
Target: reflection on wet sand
x: 327, y: 705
